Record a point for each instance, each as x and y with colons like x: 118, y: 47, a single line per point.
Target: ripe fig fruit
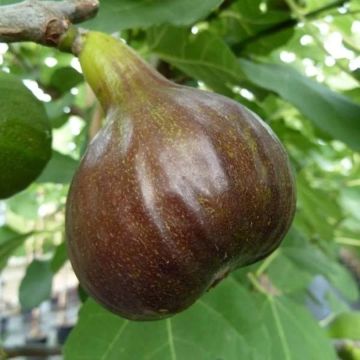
x: 25, y: 136
x: 179, y: 188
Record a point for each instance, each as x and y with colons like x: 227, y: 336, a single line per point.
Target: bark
x: 43, y: 22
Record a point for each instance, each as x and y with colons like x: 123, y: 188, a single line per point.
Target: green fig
x: 25, y: 136
x: 345, y: 325
x: 179, y: 188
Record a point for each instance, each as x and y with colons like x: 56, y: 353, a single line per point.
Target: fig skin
x: 178, y: 189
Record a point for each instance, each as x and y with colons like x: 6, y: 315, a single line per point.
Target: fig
x: 25, y: 136
x: 179, y: 188
x: 345, y: 325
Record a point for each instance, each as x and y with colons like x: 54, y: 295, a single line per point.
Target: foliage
x: 294, y: 63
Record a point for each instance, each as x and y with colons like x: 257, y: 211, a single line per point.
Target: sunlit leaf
x: 331, y: 112
x: 116, y: 15
x: 10, y: 240
x: 59, y: 258
x: 36, y: 284
x: 59, y: 170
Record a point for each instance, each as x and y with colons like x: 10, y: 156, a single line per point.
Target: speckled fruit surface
x: 25, y: 136
x: 178, y: 189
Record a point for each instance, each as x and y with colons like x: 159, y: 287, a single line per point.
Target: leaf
x: 10, y: 240
x: 59, y: 258
x: 25, y: 204
x: 214, y: 328
x: 295, y: 334
x: 6, y: 2
x: 312, y: 260
x: 203, y: 56
x: 65, y: 78
x: 318, y: 209
x: 288, y: 277
x: 59, y: 170
x: 331, y: 112
x: 35, y: 287
x: 116, y: 15
x: 249, y: 22
x: 248, y: 18
x: 350, y: 199
x: 55, y: 110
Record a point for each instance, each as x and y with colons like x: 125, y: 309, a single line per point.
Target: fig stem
x: 43, y: 22
x: 254, y: 281
x: 267, y: 262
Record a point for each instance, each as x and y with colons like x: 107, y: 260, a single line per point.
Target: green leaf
x: 59, y: 258
x: 55, y: 110
x: 312, y: 260
x: 25, y: 204
x: 318, y: 209
x: 59, y: 170
x: 285, y: 275
x: 10, y: 240
x: 65, y: 78
x: 36, y: 284
x: 331, y: 112
x: 248, y: 22
x: 203, y: 56
x: 295, y: 335
x: 6, y: 2
x: 117, y: 15
x: 214, y: 328
x: 350, y: 199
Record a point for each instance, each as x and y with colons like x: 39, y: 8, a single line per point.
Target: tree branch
x: 43, y: 22
x: 29, y: 350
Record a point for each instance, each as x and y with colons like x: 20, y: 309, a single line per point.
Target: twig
x: 43, y: 22
x: 28, y: 351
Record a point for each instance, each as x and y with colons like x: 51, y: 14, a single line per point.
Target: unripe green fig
x: 179, y: 188
x: 25, y: 136
x: 345, y: 325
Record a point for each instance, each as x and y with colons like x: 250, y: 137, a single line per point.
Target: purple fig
x: 179, y: 188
